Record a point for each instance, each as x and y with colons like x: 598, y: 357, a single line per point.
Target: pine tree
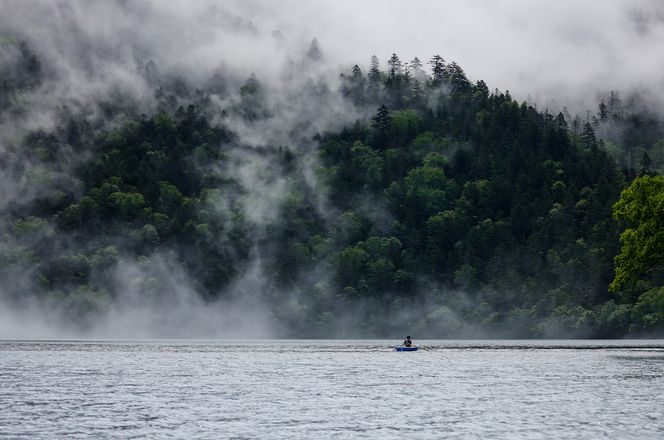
x: 382, y: 123
x: 457, y: 78
x: 645, y: 165
x: 394, y: 64
x: 416, y: 93
x: 375, y: 86
x: 374, y: 69
x: 588, y: 136
x: 603, y: 112
x: 561, y: 123
x: 356, y: 86
x: 357, y: 72
x: 437, y: 69
x: 615, y: 106
x: 314, y: 53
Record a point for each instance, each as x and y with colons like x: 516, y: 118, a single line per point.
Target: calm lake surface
x: 332, y: 389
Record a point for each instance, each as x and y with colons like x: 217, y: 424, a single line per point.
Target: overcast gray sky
x: 564, y: 49
x: 561, y: 48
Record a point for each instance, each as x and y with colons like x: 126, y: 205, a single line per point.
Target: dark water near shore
x: 332, y: 389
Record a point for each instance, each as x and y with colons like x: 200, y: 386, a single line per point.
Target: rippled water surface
x: 332, y: 389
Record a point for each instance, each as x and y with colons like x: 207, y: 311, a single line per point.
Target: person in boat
x: 408, y: 342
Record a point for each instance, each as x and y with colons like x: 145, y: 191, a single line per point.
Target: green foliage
x: 613, y: 320
x: 369, y: 163
x: 566, y: 321
x: 406, y: 124
x: 32, y: 228
x: 485, y: 195
x: 642, y: 244
x: 83, y: 303
x: 126, y: 205
x: 382, y: 124
x: 648, y: 312
x: 453, y: 206
x: 425, y: 191
x: 441, y: 321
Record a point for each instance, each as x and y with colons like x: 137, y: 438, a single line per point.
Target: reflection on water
x: 327, y: 389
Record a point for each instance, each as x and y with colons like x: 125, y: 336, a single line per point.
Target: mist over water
x: 168, y: 323
x: 105, y: 62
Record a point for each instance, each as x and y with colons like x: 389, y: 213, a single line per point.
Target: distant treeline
x: 455, y: 209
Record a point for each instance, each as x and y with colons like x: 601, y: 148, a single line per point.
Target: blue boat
x: 402, y: 348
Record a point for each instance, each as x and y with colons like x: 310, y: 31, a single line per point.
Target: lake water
x: 332, y: 389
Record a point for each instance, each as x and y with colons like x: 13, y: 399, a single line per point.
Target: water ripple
x: 331, y: 389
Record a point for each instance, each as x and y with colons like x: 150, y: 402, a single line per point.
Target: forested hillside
x: 446, y: 208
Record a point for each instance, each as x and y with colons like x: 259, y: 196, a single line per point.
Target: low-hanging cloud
x: 566, y: 50
x: 95, y: 52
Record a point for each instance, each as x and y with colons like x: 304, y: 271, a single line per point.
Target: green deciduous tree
x: 127, y: 205
x: 641, y: 206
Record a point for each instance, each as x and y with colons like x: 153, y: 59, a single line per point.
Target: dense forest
x: 444, y: 208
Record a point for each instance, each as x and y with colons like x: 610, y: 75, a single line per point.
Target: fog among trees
x: 199, y: 172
